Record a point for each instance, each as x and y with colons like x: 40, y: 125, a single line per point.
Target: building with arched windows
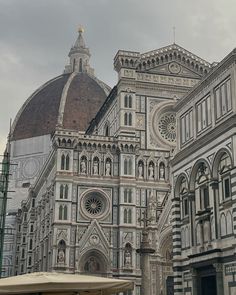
x: 204, y: 202
x: 92, y: 161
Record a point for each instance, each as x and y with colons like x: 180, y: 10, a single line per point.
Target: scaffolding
x: 4, y: 180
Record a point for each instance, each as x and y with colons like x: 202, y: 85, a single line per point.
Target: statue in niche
x: 127, y: 259
x: 162, y: 171
x: 83, y: 166
x: 151, y: 171
x: 140, y: 170
x: 108, y: 168
x: 61, y: 256
x: 152, y: 208
x: 95, y: 167
x: 92, y: 265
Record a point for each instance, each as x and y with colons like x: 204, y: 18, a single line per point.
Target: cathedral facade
x: 92, y: 162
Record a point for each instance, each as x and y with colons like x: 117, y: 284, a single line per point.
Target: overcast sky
x: 35, y: 38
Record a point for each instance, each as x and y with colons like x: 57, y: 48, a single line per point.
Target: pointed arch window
x: 107, y: 130
x: 63, y: 162
x: 67, y: 162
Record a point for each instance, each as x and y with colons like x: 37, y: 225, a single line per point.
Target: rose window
x: 94, y: 205
x: 167, y: 127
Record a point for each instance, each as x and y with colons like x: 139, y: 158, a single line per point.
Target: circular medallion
x: 30, y: 168
x: 167, y: 127
x: 94, y: 239
x: 174, y: 68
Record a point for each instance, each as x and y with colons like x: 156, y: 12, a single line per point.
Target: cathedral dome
x: 69, y: 101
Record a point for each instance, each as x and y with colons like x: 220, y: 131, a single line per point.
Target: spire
x: 79, y: 56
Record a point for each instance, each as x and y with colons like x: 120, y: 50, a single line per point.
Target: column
x: 194, y: 281
x: 214, y: 185
x: 219, y: 278
x: 145, y: 251
x: 191, y: 198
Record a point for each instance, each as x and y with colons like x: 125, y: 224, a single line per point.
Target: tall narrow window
x: 61, y: 191
x: 224, y: 174
x: 65, y: 213
x: 226, y: 187
x: 204, y: 197
x: 125, y: 216
x: 185, y: 207
x: 63, y: 162
x: 204, y: 113
x: 130, y: 101
x: 126, y: 101
x: 126, y: 119
x: 67, y: 162
x: 31, y: 244
x: 125, y: 195
x: 60, y: 212
x: 107, y: 131
x: 223, y: 98
x: 186, y: 124
x: 125, y: 166
x: 130, y: 119
x: 130, y: 216
x: 218, y: 103
x: 66, y: 191
x: 228, y: 91
x: 130, y: 167
x: 130, y: 196
x: 80, y: 65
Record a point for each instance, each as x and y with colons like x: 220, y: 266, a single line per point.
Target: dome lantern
x: 79, y: 56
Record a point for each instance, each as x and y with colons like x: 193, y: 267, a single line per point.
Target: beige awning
x: 60, y: 283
